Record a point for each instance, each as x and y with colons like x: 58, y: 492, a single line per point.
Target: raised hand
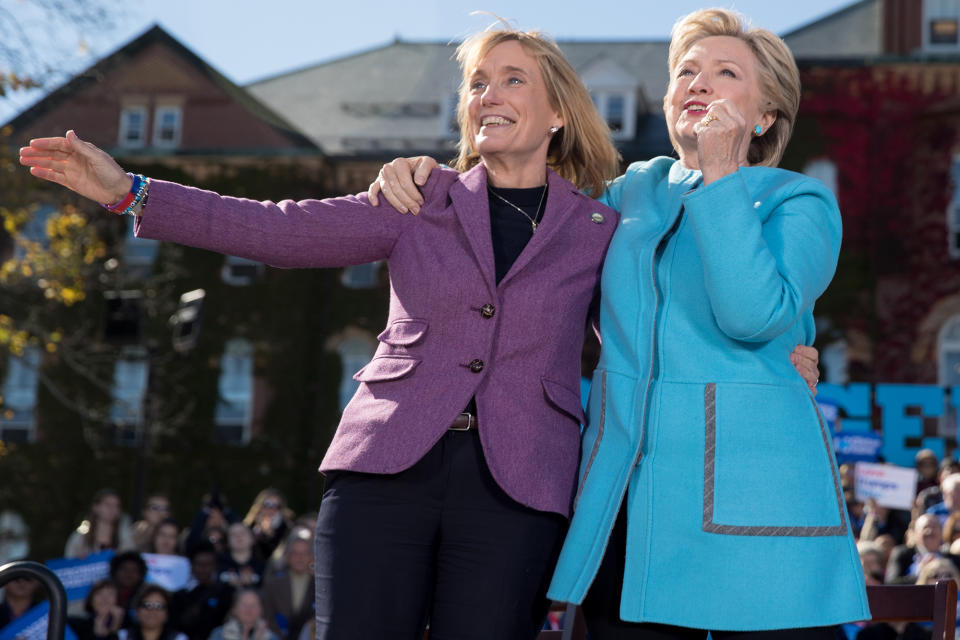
x: 723, y: 140
x: 399, y: 181
x: 77, y: 165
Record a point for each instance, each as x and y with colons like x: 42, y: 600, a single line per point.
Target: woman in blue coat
x: 708, y: 497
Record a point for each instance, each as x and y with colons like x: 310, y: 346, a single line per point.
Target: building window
x: 234, y: 415
x: 355, y: 352
x: 953, y: 211
x: 133, y: 127
x: 823, y: 170
x: 129, y: 390
x: 139, y: 254
x: 239, y: 272
x: 452, y: 127
x: 617, y: 109
x: 17, y: 413
x: 167, y: 123
x: 948, y: 353
x: 361, y: 276
x: 941, y: 19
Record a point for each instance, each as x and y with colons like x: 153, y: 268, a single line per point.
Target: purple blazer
x: 453, y: 332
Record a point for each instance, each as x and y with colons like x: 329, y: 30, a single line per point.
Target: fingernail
x: 416, y: 210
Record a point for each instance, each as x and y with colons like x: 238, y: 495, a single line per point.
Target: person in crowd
x: 210, y: 521
x: 103, y: 616
x: 203, y: 605
x: 421, y: 515
x: 270, y: 521
x: 240, y: 565
x: 19, y: 596
x: 288, y: 593
x: 880, y: 520
x: 128, y: 571
x: 738, y: 251
x: 156, y: 509
x: 873, y: 560
x: 933, y: 495
x: 924, y: 544
x: 856, y: 512
x: 104, y: 527
x: 934, y: 570
x: 152, y: 620
x: 166, y: 538
x: 950, y: 491
x: 951, y: 530
x: 927, y: 466
x: 245, y: 621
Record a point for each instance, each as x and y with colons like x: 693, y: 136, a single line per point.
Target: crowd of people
x: 920, y: 546
x: 251, y: 577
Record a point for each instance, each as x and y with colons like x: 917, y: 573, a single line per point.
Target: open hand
x: 77, y: 165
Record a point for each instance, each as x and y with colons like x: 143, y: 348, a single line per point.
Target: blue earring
x: 758, y: 130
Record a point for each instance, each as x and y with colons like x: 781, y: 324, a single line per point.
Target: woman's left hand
x: 805, y: 360
x: 722, y: 140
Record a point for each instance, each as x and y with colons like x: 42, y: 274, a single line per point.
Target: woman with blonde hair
x: 707, y: 474
x: 269, y: 520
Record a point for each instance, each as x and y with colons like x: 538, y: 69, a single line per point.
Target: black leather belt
x: 464, y: 422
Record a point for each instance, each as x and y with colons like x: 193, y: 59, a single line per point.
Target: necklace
x: 533, y: 221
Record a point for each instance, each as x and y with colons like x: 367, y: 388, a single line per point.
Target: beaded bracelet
x: 133, y: 202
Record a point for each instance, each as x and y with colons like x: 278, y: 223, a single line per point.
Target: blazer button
x: 487, y: 310
x: 476, y: 366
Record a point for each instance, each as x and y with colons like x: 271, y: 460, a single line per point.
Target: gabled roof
x: 829, y: 17
x: 157, y: 35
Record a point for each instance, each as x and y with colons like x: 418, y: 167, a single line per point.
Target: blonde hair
x: 777, y: 73
x: 581, y: 151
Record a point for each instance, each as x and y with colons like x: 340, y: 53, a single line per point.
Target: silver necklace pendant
x: 534, y: 225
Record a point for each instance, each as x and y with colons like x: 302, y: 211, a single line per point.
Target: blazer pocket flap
x: 403, y: 332
x: 386, y: 368
x: 564, y: 398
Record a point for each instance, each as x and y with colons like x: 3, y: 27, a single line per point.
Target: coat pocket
x: 564, y: 398
x: 768, y: 464
x: 404, y: 332
x: 383, y: 368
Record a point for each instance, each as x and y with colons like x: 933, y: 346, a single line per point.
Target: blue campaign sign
x: 856, y: 446
x: 32, y: 626
x: 79, y: 574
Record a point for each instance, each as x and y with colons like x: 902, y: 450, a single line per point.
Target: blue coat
x: 699, y: 423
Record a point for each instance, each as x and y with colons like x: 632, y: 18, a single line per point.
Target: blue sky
x: 251, y: 39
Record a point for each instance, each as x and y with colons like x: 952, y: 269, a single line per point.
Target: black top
x: 510, y: 231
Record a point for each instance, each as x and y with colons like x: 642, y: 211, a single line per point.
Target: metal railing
x: 51, y: 583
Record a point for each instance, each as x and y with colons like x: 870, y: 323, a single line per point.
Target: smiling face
x: 714, y: 67
x: 509, y: 108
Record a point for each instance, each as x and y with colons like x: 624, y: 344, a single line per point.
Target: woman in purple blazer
x: 450, y: 478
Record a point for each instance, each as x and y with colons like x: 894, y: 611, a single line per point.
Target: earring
x: 554, y: 129
x: 757, y: 130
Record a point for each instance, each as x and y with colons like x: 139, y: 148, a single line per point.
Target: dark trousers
x: 601, y: 607
x: 438, y: 543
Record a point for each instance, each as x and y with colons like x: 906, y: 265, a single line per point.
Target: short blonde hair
x: 777, y: 71
x: 581, y: 151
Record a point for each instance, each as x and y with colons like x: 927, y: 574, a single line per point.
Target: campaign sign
x: 32, y: 626
x: 857, y: 446
x: 829, y: 410
x: 891, y: 486
x: 170, y: 572
x: 79, y: 574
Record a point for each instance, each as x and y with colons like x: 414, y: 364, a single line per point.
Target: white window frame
x: 141, y: 141
x: 953, y: 211
x: 235, y: 388
x: 230, y: 274
x: 947, y: 344
x: 158, y: 117
x: 602, y: 99
x: 18, y: 413
x: 936, y: 9
x: 139, y: 254
x: 130, y: 375
x: 355, y: 352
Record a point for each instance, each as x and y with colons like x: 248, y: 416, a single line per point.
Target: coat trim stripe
x: 596, y: 444
x: 710, y: 410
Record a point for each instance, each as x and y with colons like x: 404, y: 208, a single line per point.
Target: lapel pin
x: 597, y: 218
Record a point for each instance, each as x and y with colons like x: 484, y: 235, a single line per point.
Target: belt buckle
x: 469, y: 423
